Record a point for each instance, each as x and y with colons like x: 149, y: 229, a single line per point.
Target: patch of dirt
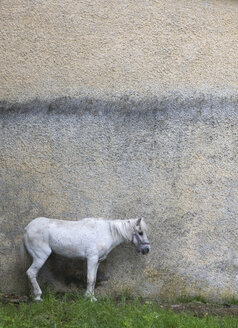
x: 199, y: 309
x: 13, y: 298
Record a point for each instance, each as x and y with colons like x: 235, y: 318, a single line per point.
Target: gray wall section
x: 171, y: 160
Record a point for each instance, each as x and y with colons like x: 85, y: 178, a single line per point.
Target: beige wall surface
x: 60, y: 48
x: 123, y: 109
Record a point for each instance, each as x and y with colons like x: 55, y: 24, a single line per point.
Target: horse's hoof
x: 91, y: 297
x: 38, y: 299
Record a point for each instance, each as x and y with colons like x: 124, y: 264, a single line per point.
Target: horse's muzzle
x: 145, y: 250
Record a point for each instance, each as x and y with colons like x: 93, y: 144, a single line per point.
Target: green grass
x: 232, y: 301
x: 71, y: 311
x: 194, y: 299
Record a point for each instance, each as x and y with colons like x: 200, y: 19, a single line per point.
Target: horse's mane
x: 121, y: 228
x: 125, y: 228
x: 93, y: 219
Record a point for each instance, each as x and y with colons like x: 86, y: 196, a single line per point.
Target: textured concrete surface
x: 123, y: 109
x: 172, y: 161
x: 56, y: 48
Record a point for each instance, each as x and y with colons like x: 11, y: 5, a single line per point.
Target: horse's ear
x: 138, y: 222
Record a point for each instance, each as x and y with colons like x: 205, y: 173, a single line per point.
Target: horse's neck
x: 121, y: 231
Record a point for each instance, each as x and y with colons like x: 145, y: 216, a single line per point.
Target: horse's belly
x: 69, y: 252
x: 68, y: 248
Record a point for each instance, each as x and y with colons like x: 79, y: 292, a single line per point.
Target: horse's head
x: 139, y: 238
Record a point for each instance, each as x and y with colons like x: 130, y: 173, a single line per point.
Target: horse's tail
x: 24, y: 254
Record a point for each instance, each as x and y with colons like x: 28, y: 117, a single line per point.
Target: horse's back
x: 40, y: 221
x: 41, y: 227
x: 44, y: 222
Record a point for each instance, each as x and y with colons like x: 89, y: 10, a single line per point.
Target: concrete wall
x: 123, y: 109
x: 55, y: 48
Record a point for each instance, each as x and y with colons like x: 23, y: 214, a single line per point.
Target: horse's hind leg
x: 38, y: 261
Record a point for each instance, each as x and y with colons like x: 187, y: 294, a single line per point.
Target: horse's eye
x: 140, y: 233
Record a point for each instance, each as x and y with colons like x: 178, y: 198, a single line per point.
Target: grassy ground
x: 71, y: 311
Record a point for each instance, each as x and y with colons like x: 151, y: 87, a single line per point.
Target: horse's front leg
x: 91, y: 277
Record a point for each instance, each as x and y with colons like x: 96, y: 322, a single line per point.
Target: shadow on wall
x: 63, y: 273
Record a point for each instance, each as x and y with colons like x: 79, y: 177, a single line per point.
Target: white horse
x: 90, y: 239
